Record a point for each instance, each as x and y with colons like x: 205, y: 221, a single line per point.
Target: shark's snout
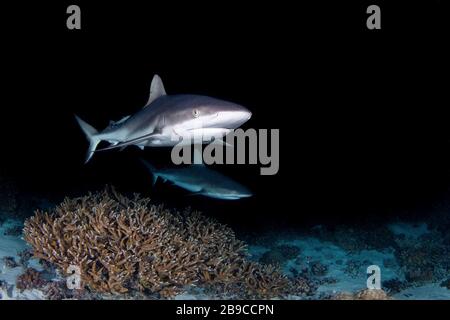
x: 234, y: 119
x: 248, y: 115
x: 243, y: 116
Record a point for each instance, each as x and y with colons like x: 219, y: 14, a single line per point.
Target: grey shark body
x: 201, y: 180
x: 168, y: 119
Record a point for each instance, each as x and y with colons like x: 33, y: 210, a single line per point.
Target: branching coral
x: 30, y: 279
x: 123, y: 244
x: 58, y: 290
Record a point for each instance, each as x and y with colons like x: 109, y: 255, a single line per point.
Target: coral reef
x: 424, y: 259
x: 303, y: 286
x: 253, y: 281
x: 318, y: 269
x: 122, y: 245
x: 367, y: 294
x: 57, y: 290
x: 306, y: 281
x: 30, y: 279
x: 372, y: 294
x: 356, y: 268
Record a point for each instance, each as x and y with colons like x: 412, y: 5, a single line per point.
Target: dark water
x: 362, y: 117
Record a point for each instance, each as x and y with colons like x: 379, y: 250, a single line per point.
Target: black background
x: 362, y: 113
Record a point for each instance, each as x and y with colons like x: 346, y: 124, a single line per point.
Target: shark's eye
x: 195, y: 113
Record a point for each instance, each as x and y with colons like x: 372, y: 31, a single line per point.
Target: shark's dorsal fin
x: 156, y: 90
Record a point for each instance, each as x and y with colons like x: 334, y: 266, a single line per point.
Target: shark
x: 200, y: 180
x: 168, y: 120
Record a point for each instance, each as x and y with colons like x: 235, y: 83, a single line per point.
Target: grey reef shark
x: 166, y: 120
x: 200, y: 180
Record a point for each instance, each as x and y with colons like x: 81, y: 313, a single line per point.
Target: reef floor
x: 413, y: 258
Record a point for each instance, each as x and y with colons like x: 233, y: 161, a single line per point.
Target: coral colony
x: 130, y: 248
x: 127, y: 245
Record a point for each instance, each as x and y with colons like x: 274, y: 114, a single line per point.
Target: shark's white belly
x: 187, y: 137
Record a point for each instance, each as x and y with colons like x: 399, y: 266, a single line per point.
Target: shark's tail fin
x: 152, y: 170
x: 91, y: 135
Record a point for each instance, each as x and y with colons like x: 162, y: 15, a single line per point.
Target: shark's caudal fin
x: 152, y: 170
x: 91, y: 135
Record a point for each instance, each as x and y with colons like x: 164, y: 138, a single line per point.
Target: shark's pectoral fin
x: 135, y: 141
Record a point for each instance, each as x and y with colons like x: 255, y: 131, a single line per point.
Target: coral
x: 122, y: 245
x: 58, y: 290
x: 424, y: 259
x: 257, y: 281
x: 367, y: 294
x: 303, y: 286
x: 356, y: 268
x: 318, y: 269
x: 280, y: 254
x: 30, y: 279
x: 343, y: 296
x: 372, y: 294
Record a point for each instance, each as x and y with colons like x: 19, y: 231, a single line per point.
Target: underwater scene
x: 127, y: 247
x: 177, y: 165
